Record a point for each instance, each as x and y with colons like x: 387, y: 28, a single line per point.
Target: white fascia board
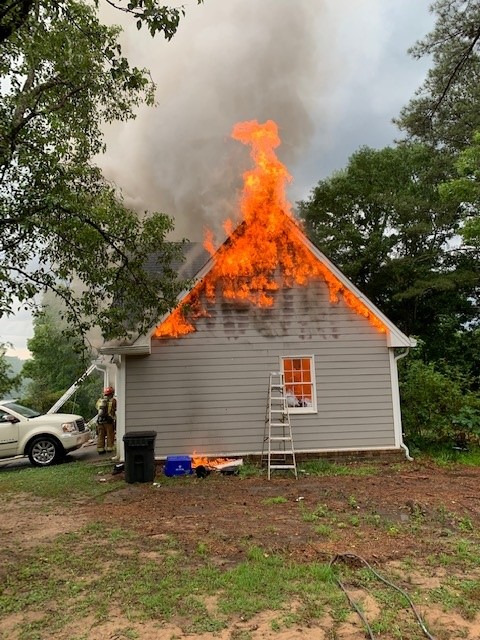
x: 141, y: 347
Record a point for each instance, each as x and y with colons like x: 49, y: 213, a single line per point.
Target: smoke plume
x: 231, y: 60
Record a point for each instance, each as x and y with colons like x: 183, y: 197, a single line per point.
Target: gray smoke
x: 231, y: 60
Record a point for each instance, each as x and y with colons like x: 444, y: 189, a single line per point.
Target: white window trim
x: 313, y: 408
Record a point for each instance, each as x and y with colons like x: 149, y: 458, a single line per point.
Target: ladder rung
x: 282, y: 438
x: 282, y: 466
x: 279, y: 424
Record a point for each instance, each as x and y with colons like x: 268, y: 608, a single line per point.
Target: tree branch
x: 456, y: 70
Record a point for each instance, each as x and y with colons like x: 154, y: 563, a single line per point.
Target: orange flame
x: 209, y: 463
x: 266, y: 251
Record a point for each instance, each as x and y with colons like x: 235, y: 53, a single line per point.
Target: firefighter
x: 106, y: 408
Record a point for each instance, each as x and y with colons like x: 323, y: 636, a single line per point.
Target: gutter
x: 402, y: 444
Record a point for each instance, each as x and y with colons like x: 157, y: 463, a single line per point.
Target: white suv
x: 45, y: 439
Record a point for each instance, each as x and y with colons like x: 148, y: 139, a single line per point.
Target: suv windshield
x: 23, y: 411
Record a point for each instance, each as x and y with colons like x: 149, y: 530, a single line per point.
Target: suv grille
x: 80, y: 424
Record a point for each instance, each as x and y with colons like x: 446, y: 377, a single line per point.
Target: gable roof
x: 197, y: 265
x: 194, y: 257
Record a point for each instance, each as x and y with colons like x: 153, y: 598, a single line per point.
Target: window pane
x: 299, y: 381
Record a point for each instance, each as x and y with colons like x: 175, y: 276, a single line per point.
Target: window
x: 299, y: 373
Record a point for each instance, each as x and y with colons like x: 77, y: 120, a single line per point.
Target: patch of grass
x: 275, y: 500
x: 268, y: 581
x: 465, y: 524
x: 323, y: 530
x: 352, y: 502
x: 354, y: 521
x: 250, y: 470
x: 240, y: 634
x: 202, y: 549
x: 95, y: 576
x: 446, y: 455
x: 373, y: 519
x: 457, y: 552
x: 67, y: 481
x: 320, y: 511
x: 205, y: 624
x: 458, y: 595
x: 395, y: 618
x: 327, y: 468
x: 393, y: 530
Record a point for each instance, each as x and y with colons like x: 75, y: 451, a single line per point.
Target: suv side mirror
x: 8, y: 418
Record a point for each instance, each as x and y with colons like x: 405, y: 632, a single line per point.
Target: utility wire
x: 345, y: 557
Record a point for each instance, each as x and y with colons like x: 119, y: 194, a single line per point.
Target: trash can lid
x: 139, y: 434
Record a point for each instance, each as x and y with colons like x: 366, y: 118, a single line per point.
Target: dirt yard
x: 224, y: 512
x: 406, y: 511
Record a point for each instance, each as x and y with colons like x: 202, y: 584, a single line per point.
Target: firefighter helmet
x: 108, y: 391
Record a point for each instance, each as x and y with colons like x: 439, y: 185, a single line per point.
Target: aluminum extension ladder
x: 278, y: 451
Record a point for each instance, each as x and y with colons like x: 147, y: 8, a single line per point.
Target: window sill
x: 301, y: 410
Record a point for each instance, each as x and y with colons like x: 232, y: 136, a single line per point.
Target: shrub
x: 434, y: 406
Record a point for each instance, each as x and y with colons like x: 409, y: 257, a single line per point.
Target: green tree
x: 383, y: 222
x: 157, y: 17
x: 445, y: 109
x: 57, y: 362
x: 437, y: 405
x: 8, y: 381
x: 63, y: 75
x: 466, y: 189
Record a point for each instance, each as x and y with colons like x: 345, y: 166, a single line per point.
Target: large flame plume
x: 266, y: 251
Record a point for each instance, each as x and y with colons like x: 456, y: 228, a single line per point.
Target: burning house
x: 266, y: 300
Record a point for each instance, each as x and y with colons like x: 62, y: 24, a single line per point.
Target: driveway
x: 87, y: 452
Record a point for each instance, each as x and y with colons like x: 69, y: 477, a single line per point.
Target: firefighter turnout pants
x: 105, y: 436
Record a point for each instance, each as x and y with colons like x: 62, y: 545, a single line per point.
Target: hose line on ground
x: 345, y: 557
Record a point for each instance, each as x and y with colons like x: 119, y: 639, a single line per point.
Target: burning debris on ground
x: 202, y: 466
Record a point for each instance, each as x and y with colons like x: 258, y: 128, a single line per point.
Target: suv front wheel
x: 44, y: 451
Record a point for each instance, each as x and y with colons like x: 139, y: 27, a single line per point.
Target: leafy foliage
x: 155, y: 16
x: 57, y: 362
x: 382, y: 221
x: 466, y: 189
x: 8, y: 381
x: 444, y: 112
x: 436, y: 406
x: 62, y: 226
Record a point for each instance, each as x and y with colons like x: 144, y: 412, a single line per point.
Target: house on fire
x: 266, y: 300
x: 200, y: 378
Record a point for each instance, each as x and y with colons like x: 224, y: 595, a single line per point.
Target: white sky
x: 332, y: 73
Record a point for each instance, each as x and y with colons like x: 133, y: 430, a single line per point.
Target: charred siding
x: 207, y: 391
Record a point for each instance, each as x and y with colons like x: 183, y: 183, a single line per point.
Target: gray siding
x: 207, y: 391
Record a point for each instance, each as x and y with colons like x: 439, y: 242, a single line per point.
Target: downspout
x: 402, y: 444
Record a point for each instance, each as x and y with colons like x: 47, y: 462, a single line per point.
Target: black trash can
x: 140, y: 456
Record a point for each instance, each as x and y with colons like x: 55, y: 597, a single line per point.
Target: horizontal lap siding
x: 207, y: 391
